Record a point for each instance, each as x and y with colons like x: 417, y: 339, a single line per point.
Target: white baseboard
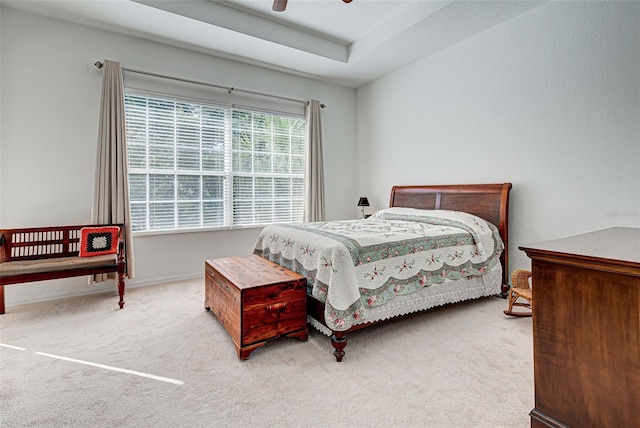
x: 109, y: 286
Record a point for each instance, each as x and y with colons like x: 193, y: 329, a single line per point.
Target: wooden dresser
x: 256, y: 300
x: 586, y: 330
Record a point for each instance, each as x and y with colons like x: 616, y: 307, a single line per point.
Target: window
x: 195, y: 165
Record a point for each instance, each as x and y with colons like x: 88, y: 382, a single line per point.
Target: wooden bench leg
x: 122, y: 267
x: 121, y: 290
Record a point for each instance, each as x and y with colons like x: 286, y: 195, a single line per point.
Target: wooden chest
x: 256, y: 300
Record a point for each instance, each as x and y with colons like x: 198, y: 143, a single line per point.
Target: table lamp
x: 363, y: 202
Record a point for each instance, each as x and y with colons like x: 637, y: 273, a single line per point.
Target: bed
x: 434, y: 245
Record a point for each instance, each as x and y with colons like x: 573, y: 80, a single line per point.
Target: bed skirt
x: 450, y: 291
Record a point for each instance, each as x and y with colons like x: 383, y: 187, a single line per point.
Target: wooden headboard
x: 487, y: 201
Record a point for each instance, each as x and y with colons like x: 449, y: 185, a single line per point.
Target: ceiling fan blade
x: 279, y: 5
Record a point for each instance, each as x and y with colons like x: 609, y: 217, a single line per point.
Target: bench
x: 45, y: 253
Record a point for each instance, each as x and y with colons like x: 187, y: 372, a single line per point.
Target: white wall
x: 50, y: 104
x: 549, y: 101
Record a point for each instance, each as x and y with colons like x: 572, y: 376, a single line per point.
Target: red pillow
x: 97, y: 241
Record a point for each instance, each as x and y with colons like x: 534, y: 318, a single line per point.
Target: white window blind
x: 196, y: 165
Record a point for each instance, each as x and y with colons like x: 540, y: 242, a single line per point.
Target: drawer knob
x: 277, y: 306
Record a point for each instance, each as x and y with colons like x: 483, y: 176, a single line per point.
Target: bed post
x: 503, y: 227
x: 338, y: 341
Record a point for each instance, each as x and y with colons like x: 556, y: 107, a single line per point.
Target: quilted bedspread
x: 353, y: 264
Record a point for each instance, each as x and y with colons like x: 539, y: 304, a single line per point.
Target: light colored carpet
x: 466, y: 365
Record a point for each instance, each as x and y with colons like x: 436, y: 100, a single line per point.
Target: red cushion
x: 97, y: 241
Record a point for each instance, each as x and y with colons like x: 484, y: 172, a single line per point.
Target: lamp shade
x: 363, y: 202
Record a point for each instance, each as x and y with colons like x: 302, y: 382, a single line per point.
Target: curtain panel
x: 111, y: 184
x: 314, y: 207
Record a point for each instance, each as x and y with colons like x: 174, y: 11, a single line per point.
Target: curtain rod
x: 99, y: 64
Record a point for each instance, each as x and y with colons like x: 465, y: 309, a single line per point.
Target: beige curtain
x: 314, y: 175
x: 111, y: 184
